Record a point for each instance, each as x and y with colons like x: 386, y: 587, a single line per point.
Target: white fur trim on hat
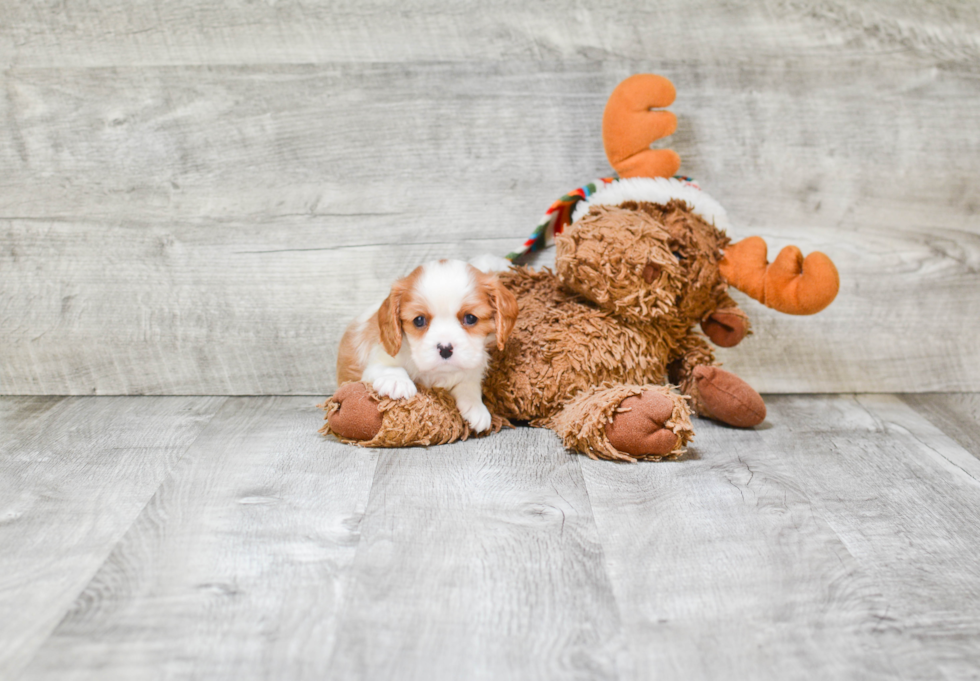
x: 656, y: 190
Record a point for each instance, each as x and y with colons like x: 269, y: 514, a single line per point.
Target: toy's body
x: 599, y: 342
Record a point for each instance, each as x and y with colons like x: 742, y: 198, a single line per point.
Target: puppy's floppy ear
x: 390, y: 321
x: 504, y: 305
x: 390, y: 312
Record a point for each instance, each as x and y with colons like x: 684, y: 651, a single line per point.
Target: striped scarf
x: 556, y: 218
x: 559, y: 215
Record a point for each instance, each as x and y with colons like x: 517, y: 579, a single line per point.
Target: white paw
x: 488, y: 263
x: 394, y: 386
x: 478, y: 416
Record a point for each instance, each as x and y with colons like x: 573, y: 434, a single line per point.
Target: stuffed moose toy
x: 605, y: 350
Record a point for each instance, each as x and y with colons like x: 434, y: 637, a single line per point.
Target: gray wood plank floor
x: 189, y: 537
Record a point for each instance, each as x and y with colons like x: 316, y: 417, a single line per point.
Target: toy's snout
x: 620, y: 260
x: 791, y: 284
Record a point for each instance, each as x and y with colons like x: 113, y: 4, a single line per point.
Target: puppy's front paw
x: 394, y: 386
x: 478, y: 416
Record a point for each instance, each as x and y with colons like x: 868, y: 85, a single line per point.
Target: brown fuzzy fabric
x: 617, y: 328
x: 692, y: 351
x: 607, y: 253
x: 620, y: 260
x: 582, y: 423
x: 429, y: 418
x: 562, y: 345
x: 631, y: 284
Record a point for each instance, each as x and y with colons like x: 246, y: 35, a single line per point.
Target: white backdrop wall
x: 195, y: 199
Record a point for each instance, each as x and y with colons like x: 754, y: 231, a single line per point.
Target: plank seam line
x: 124, y: 533
x: 374, y: 245
x: 344, y: 610
x: 936, y: 454
x: 605, y: 563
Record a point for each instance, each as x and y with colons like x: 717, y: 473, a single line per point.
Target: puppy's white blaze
x: 444, y: 285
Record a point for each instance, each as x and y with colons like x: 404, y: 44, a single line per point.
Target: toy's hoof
x: 640, y: 432
x: 357, y: 417
x: 726, y: 327
x: 728, y: 398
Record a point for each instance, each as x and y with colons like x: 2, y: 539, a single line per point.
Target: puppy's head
x: 448, y: 311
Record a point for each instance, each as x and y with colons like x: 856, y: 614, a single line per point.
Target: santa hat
x: 611, y: 191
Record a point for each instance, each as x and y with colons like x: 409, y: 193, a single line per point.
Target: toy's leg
x: 356, y: 414
x: 624, y: 422
x: 714, y: 392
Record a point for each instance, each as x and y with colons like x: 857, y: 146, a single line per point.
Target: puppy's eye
x: 419, y: 322
x: 469, y: 319
x: 678, y: 255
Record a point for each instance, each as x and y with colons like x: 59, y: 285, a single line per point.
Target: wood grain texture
x: 723, y: 570
x: 74, y: 474
x: 480, y: 560
x: 905, y: 500
x: 118, y: 33
x: 201, y: 201
x: 214, y: 268
x: 957, y: 415
x: 187, y: 310
x: 838, y: 540
x: 235, y: 568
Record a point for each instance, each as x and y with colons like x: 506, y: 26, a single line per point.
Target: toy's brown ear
x: 504, y: 305
x: 629, y: 126
x: 390, y: 321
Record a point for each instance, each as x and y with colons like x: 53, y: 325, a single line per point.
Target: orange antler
x: 791, y: 284
x: 629, y: 126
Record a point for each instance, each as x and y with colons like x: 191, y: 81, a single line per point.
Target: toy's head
x: 663, y: 263
x: 652, y: 249
x: 646, y: 262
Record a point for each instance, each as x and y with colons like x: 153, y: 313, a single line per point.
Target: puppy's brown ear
x: 390, y: 321
x: 504, y: 305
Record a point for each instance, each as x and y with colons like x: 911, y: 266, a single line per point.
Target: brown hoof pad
x: 728, y: 398
x: 357, y: 417
x: 725, y: 328
x: 640, y: 431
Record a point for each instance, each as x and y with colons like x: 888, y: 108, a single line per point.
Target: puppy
x: 450, y: 313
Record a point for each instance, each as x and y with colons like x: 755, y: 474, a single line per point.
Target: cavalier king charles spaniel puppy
x: 434, y: 329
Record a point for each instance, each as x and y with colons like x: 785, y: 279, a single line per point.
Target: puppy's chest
x: 447, y: 380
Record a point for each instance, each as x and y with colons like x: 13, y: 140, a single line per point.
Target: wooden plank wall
x: 196, y: 199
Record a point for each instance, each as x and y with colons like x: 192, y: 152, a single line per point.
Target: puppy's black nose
x: 445, y: 351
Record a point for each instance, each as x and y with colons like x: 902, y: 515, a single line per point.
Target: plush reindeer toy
x: 611, y: 350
